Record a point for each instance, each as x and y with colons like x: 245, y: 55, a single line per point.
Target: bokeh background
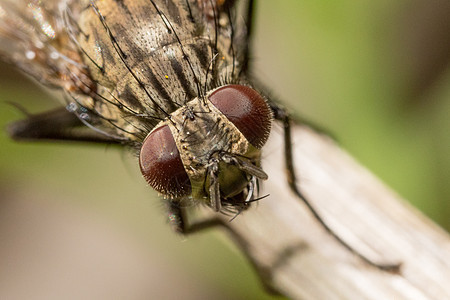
x: 77, y: 221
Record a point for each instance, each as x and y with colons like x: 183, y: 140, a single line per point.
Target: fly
x: 169, y: 79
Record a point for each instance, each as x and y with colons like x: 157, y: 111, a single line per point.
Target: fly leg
x: 56, y: 125
x: 179, y: 219
x: 281, y: 115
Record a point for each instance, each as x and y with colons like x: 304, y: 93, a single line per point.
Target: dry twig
x: 300, y: 260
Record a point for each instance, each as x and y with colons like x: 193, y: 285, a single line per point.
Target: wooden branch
x: 301, y: 261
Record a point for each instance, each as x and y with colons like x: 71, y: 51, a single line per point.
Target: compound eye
x: 161, y: 164
x: 246, y: 109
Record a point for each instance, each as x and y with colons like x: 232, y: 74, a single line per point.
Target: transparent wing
x: 242, y: 21
x: 33, y: 37
x: 239, y: 16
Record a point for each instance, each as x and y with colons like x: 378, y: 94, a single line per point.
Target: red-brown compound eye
x: 246, y: 109
x: 161, y: 164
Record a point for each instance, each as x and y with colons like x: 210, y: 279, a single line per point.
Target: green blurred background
x: 374, y: 73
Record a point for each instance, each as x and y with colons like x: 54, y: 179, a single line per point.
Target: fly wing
x: 232, y: 21
x: 241, y: 16
x: 245, y: 36
x: 34, y: 38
